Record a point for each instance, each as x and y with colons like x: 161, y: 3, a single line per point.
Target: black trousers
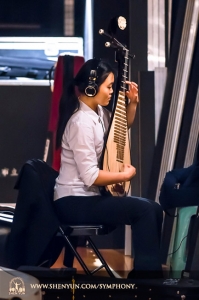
x: 145, y: 217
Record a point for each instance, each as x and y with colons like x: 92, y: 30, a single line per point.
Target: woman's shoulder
x: 77, y: 116
x: 79, y: 119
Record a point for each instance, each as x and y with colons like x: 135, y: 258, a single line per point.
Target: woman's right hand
x: 107, y: 178
x: 129, y: 171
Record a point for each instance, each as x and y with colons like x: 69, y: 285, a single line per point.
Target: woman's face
x: 105, y: 92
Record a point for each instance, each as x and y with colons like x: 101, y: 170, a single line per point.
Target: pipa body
x: 116, y: 151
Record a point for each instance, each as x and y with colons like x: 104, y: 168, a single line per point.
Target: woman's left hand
x: 132, y: 92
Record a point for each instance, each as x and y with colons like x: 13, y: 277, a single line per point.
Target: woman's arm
x: 106, y: 177
x: 132, y: 95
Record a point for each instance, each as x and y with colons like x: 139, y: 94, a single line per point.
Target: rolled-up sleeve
x: 81, y: 142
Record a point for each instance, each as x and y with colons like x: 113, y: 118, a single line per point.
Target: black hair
x: 69, y: 102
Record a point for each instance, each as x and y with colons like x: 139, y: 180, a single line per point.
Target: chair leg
x: 85, y: 268
x: 82, y: 263
x: 104, y: 264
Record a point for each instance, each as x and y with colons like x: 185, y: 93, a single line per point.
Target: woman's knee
x: 145, y: 206
x: 154, y: 209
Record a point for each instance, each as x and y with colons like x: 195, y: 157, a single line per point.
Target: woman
x: 83, y: 121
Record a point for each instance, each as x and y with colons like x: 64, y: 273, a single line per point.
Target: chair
x: 176, y: 242
x: 36, y: 224
x: 181, y: 243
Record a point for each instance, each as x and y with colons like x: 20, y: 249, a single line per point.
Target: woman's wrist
x: 134, y: 101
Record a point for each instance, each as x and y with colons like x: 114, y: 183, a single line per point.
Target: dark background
x: 46, y: 18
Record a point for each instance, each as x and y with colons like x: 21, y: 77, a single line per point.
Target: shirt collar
x: 95, y: 117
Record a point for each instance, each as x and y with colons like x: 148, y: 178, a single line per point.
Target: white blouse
x: 82, y: 145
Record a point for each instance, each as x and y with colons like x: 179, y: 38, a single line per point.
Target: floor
x: 119, y: 263
x: 116, y: 260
